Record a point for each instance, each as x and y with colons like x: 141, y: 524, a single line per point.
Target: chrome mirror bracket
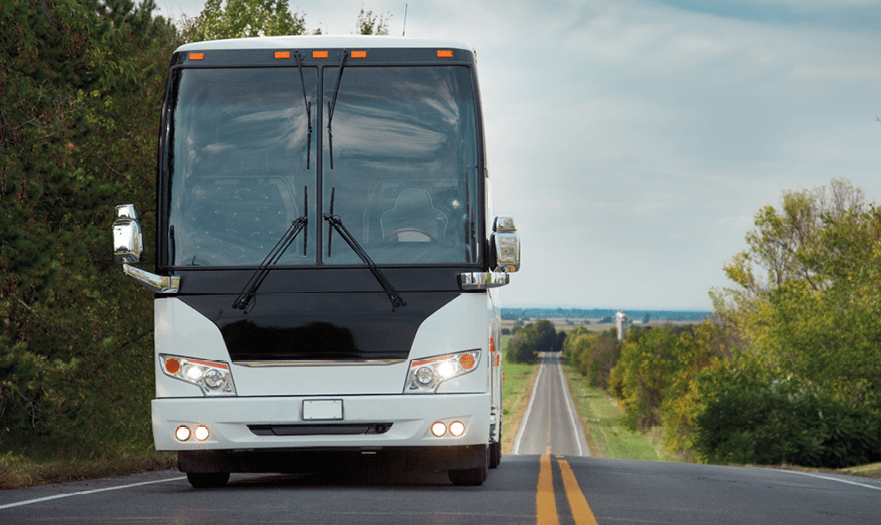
x: 154, y: 283
x: 483, y: 280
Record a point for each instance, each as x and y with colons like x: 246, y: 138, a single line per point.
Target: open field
x: 568, y: 325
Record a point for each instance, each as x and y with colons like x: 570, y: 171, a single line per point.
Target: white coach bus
x: 326, y: 259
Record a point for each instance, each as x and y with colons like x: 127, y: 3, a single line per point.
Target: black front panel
x: 319, y: 326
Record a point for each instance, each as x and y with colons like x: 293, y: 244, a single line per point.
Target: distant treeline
x: 513, y: 314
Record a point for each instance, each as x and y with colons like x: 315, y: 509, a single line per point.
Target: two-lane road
x: 551, y: 482
x: 551, y: 424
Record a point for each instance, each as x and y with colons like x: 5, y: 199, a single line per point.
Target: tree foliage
x: 805, y: 338
x: 81, y: 86
x: 817, y: 313
x: 244, y: 18
x: 370, y: 24
x: 534, y: 337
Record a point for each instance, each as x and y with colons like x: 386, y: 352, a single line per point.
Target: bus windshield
x: 398, y: 165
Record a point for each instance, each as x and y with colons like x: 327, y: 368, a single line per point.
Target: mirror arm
x: 154, y: 283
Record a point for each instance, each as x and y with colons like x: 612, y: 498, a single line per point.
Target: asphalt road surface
x: 551, y: 424
x: 557, y: 484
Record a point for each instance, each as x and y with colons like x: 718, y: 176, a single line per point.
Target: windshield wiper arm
x: 298, y: 225
x: 337, y: 223
x: 332, y: 104
x: 308, y: 108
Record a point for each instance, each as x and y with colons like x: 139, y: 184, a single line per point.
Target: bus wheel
x: 207, y: 480
x: 495, y: 454
x: 472, y: 477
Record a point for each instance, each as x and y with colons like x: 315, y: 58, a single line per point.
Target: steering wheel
x: 410, y: 235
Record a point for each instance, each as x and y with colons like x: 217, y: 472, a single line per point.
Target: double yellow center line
x: 545, y: 502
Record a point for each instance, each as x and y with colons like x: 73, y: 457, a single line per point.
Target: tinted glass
x: 239, y: 174
x: 404, y: 176
x: 404, y: 157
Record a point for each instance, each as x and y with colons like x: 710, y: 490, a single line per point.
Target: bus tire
x: 207, y: 480
x: 495, y: 454
x: 472, y: 477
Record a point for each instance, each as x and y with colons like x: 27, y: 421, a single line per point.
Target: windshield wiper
x: 308, y: 108
x: 334, y: 220
x: 298, y: 225
x: 332, y: 104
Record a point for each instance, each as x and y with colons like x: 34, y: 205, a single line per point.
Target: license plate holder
x: 322, y: 410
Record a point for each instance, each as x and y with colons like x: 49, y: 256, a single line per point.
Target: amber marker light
x: 172, y: 366
x: 320, y: 54
x: 359, y: 54
x: 466, y: 362
x: 282, y: 54
x: 445, y: 53
x: 196, y: 56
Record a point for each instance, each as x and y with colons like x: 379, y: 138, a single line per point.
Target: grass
x: 17, y: 471
x: 872, y: 470
x: 601, y: 419
x: 516, y: 390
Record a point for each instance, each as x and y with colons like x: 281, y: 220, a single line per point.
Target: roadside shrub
x: 755, y: 417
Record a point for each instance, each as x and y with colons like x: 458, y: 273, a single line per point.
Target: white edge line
x: 515, y: 450
x: 83, y: 493
x: 833, y: 479
x: 575, y: 428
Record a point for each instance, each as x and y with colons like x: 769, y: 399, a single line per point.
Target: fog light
x: 457, y: 428
x: 182, y: 433
x: 201, y: 433
x: 438, y: 429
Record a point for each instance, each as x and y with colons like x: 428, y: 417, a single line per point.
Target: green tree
x: 244, y: 18
x: 81, y: 84
x: 534, y: 337
x: 370, y: 24
x: 816, y: 313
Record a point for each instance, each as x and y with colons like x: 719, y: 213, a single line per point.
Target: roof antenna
x: 404, y: 33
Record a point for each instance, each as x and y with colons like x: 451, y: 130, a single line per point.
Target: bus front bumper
x: 355, y: 423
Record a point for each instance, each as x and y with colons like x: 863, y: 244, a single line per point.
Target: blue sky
x: 634, y: 140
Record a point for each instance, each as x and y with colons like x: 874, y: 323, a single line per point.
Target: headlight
x: 213, y: 377
x: 427, y: 374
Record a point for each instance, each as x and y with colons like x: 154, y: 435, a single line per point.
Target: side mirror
x: 504, y: 246
x: 128, y: 241
x: 128, y: 247
x: 504, y: 258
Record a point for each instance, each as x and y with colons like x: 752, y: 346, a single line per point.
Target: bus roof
x: 322, y: 41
